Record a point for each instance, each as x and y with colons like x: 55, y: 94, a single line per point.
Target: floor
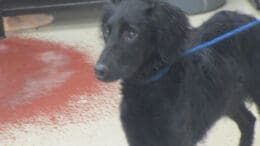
x: 50, y: 97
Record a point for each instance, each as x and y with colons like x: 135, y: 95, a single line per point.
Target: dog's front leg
x: 144, y: 128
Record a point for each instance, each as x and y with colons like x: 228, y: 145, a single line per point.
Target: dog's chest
x: 151, y: 98
x: 150, y: 90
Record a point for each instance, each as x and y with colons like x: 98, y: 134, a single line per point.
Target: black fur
x: 144, y: 36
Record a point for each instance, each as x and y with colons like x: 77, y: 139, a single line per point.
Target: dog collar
x: 159, y: 75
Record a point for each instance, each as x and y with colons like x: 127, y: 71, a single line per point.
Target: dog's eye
x: 106, y: 31
x: 129, y: 35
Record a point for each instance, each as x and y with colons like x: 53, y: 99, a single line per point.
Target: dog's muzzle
x: 101, y: 71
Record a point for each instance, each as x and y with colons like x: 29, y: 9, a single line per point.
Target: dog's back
x: 242, y: 51
x: 232, y: 66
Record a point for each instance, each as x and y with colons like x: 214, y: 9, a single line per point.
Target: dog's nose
x: 101, y: 70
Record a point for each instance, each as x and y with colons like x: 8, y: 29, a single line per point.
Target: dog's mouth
x: 106, y: 78
x: 111, y: 74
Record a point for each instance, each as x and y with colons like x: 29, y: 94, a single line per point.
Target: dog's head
x: 136, y: 30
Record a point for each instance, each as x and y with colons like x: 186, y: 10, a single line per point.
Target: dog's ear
x: 171, y: 26
x: 109, y: 8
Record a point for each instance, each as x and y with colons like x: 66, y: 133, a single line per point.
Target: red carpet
x: 42, y: 78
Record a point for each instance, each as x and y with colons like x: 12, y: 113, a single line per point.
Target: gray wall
x: 197, y: 6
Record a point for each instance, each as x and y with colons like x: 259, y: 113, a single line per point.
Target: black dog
x: 168, y: 99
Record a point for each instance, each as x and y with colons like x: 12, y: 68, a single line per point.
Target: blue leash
x: 208, y: 44
x: 222, y: 37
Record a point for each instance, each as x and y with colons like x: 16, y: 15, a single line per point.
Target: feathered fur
x: 144, y: 36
